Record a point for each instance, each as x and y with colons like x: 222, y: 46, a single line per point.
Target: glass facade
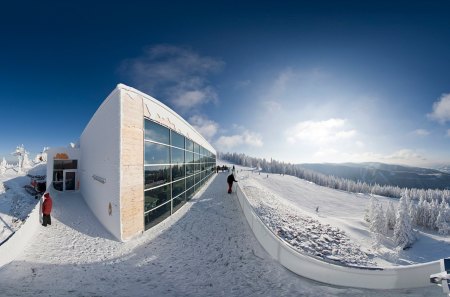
x: 175, y: 167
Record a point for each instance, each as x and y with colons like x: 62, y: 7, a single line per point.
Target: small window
x: 178, y: 171
x: 156, y: 197
x: 156, y: 153
x: 178, y: 188
x: 156, y: 175
x: 177, y: 140
x: 156, y: 132
x: 177, y: 156
x: 189, y: 145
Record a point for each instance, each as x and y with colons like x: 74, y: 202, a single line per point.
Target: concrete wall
x: 389, y: 278
x: 100, y: 157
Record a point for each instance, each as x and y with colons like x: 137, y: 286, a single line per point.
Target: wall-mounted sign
x: 99, y: 178
x: 62, y: 156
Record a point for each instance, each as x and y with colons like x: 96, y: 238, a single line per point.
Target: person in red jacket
x: 46, y: 210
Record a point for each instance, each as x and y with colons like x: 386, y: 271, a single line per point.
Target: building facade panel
x: 131, y: 160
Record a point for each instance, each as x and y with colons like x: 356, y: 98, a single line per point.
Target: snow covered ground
x: 15, y: 202
x: 205, y: 249
x: 337, y: 231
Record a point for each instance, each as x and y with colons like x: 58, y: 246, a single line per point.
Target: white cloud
x: 421, y: 132
x: 360, y: 144
x: 441, y: 109
x: 405, y: 155
x: 320, y: 132
x: 204, y: 126
x: 246, y: 138
x: 242, y: 84
x: 271, y: 105
x: 176, y: 73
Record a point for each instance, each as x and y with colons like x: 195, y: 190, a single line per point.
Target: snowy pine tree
x: 390, y: 216
x: 433, y: 213
x: 441, y: 224
x: 412, y: 211
x: 377, y: 223
x: 403, y: 232
x: 370, y: 209
x: 3, y: 165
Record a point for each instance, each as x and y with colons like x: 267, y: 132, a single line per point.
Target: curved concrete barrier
x: 15, y: 245
x: 412, y: 276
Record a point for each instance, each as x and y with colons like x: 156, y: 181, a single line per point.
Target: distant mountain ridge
x: 385, y: 174
x: 445, y: 168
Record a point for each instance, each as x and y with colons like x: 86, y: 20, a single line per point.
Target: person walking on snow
x: 230, y: 180
x: 46, y: 210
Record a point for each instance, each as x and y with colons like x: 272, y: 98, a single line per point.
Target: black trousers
x: 46, y: 220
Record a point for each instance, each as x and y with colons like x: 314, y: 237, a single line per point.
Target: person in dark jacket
x: 230, y: 180
x: 46, y: 210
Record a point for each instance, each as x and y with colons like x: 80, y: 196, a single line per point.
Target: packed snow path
x: 205, y: 249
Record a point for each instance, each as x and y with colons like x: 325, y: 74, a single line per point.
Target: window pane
x: 178, y: 202
x: 156, y: 197
x: 156, y: 175
x: 156, y: 153
x: 189, y: 157
x: 196, y: 148
x: 178, y: 188
x: 156, y: 132
x: 57, y: 164
x: 190, y: 193
x: 189, y: 169
x: 189, y: 145
x: 189, y: 182
x: 177, y: 171
x: 196, y: 158
x: 177, y: 156
x: 177, y: 140
x: 158, y: 215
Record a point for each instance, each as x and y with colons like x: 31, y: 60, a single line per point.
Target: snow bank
x: 413, y: 276
x: 13, y: 247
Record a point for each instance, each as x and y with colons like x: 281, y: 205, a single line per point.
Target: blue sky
x: 294, y: 81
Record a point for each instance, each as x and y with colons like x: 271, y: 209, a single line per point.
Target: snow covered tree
x: 441, y: 224
x: 412, y: 210
x: 3, y: 165
x: 433, y: 213
x: 377, y: 222
x: 26, y: 161
x: 370, y: 209
x: 390, y: 216
x: 403, y: 232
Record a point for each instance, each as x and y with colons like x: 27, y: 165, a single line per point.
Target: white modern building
x: 137, y: 163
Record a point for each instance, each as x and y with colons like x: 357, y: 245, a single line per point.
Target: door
x: 69, y: 180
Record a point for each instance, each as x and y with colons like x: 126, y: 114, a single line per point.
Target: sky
x: 296, y: 81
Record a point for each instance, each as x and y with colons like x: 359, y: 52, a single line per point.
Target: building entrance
x: 65, y: 175
x: 69, y: 180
